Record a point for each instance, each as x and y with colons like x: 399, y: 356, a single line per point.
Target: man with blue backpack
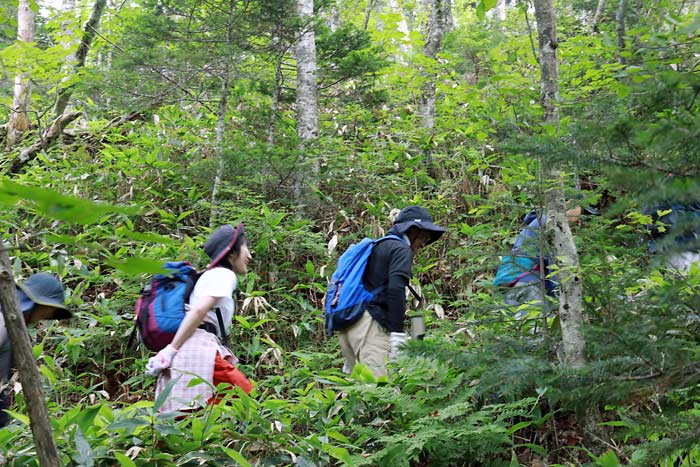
x: 366, y: 300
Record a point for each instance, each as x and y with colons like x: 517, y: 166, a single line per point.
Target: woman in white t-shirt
x: 196, y: 350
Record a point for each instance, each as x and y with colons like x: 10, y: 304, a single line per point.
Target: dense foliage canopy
x: 183, y: 117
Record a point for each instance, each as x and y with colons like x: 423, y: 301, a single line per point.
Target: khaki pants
x: 365, y: 342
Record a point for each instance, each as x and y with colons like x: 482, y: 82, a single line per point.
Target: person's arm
x: 193, y: 319
x: 399, y: 275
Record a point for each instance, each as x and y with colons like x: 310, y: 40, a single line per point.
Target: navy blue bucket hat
x: 220, y: 243
x: 43, y: 289
x: 416, y: 216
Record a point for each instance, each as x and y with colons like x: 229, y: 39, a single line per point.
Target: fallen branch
x: 47, y: 138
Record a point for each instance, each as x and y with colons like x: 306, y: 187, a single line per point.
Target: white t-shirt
x: 220, y: 283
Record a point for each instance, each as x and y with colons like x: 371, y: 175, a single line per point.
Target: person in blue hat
x: 527, y: 291
x: 40, y: 297
x: 379, y: 333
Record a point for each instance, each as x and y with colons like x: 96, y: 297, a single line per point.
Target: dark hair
x: 236, y: 249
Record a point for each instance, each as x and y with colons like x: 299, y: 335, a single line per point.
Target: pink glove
x: 161, y: 361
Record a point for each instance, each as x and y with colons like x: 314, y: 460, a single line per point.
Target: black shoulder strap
x: 220, y: 319
x: 132, y: 335
x: 415, y: 294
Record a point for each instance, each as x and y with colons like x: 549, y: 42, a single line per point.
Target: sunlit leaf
x: 57, y: 206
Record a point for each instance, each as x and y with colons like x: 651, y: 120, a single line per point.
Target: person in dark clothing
x: 41, y: 297
x: 675, y: 233
x: 378, y: 334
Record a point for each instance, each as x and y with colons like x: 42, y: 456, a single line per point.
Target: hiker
x: 521, y: 270
x: 197, y: 350
x: 378, y: 334
x: 676, y: 233
x: 40, y: 297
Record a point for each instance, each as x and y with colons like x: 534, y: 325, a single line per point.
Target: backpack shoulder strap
x: 220, y: 319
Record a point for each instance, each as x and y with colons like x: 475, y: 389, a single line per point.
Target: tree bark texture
x: 276, y: 93
x: 598, y: 13
x: 307, y: 84
x: 306, y: 98
x: 30, y: 379
x: 403, y: 28
x: 220, y: 126
x: 620, y: 31
x: 89, y: 33
x: 559, y: 233
x: 19, y: 118
x: 437, y: 21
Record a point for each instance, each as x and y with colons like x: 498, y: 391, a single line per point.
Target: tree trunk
x: 598, y: 13
x: 78, y: 61
x: 333, y: 16
x: 559, y: 234
x: 220, y: 126
x: 437, y: 21
x: 403, y: 28
x: 19, y: 118
x: 306, y: 100
x: 24, y: 361
x: 274, y: 108
x: 620, y: 31
x: 221, y: 122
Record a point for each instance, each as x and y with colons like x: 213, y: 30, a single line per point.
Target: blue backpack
x: 513, y: 268
x: 346, y: 297
x: 161, y: 306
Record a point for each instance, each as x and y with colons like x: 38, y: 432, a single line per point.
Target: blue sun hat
x: 43, y: 289
x: 416, y: 216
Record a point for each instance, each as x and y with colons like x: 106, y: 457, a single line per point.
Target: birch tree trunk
x: 19, y: 117
x: 597, y: 15
x: 306, y: 99
x: 333, y: 16
x: 29, y: 377
x: 620, y: 31
x: 403, y: 28
x: 559, y: 233
x: 220, y: 126
x: 221, y: 123
x: 78, y: 60
x: 437, y: 15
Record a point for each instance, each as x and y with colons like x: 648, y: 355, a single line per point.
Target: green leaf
x: 135, y: 266
x: 85, y: 418
x: 484, y: 6
x: 163, y: 396
x: 130, y: 424
x: 55, y: 205
x: 124, y: 460
x: 309, y: 268
x: 236, y: 456
x: 18, y: 416
x: 339, y: 453
x: 363, y: 374
x: 519, y: 426
x: 85, y: 456
x: 337, y: 436
x: 609, y: 459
